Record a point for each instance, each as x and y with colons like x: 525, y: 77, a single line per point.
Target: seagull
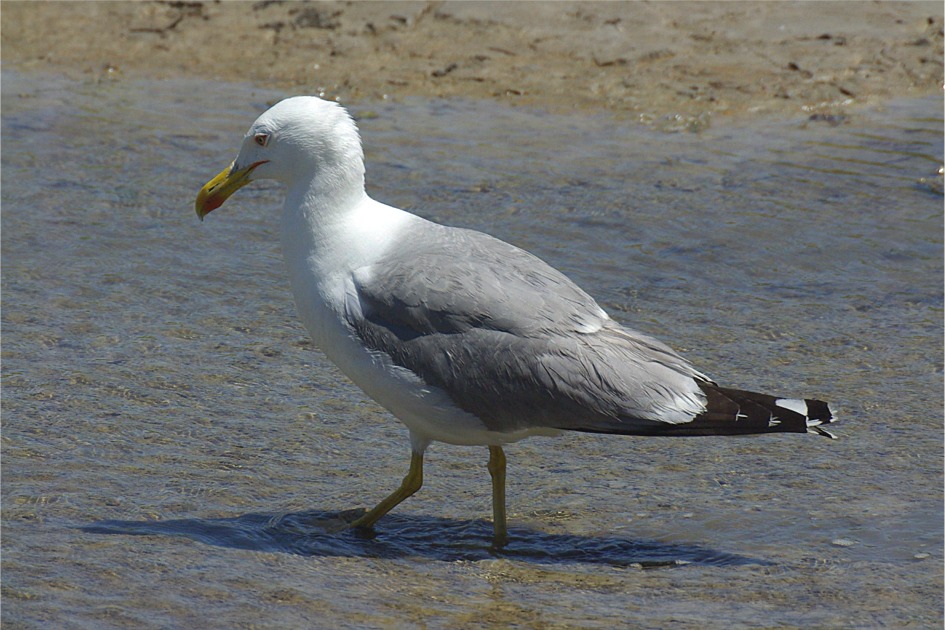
x: 464, y: 338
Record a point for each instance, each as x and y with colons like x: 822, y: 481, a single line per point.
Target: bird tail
x: 738, y: 412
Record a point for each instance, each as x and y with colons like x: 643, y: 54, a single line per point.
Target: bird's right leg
x: 497, y: 472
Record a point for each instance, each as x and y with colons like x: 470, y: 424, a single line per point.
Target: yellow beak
x: 219, y: 189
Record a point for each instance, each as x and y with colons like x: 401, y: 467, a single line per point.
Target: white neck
x: 313, y: 226
x: 325, y: 238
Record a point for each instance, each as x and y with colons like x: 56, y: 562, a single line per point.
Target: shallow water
x: 174, y: 448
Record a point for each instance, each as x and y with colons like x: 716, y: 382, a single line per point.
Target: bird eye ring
x: 262, y: 139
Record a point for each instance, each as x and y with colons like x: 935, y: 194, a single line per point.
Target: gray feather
x: 512, y: 340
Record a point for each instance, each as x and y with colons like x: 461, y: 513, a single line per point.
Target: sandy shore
x: 665, y: 63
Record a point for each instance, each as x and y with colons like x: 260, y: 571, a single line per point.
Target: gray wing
x: 512, y: 340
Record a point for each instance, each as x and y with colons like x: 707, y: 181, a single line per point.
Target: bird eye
x: 262, y: 139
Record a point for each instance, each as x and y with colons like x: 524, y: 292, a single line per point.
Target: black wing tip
x: 742, y: 411
x: 822, y: 431
x: 819, y: 414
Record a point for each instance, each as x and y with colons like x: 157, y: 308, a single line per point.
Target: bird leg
x: 408, y: 487
x: 497, y: 471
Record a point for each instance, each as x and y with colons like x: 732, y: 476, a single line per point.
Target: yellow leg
x: 408, y: 486
x: 497, y: 470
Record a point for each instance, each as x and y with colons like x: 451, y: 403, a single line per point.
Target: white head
x: 301, y: 141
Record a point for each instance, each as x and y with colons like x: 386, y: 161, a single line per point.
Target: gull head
x: 303, y: 141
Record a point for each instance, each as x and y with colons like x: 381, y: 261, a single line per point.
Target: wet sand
x: 675, y: 62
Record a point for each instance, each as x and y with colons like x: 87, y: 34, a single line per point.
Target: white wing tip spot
x: 797, y: 405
